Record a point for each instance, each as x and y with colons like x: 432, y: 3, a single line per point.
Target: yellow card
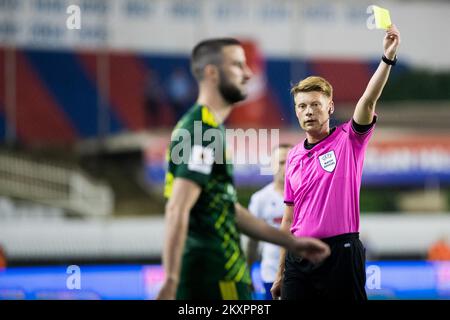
x: 382, y: 17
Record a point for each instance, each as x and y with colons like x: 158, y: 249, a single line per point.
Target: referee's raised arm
x: 365, y: 108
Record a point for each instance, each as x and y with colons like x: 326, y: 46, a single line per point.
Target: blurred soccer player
x: 268, y: 204
x: 202, y: 256
x: 323, y: 178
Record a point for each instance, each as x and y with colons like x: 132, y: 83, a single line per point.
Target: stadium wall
x: 32, y: 240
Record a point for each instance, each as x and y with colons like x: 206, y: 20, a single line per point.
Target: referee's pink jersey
x: 323, y: 183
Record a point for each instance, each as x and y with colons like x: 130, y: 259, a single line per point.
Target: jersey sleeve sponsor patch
x: 201, y: 159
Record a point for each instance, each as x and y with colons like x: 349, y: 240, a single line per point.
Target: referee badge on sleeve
x: 201, y: 159
x: 328, y: 161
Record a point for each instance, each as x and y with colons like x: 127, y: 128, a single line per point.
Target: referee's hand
x: 391, y: 42
x: 311, y: 249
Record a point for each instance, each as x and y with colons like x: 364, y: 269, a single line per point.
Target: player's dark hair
x: 209, y: 52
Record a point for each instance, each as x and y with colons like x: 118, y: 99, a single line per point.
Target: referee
x: 323, y: 179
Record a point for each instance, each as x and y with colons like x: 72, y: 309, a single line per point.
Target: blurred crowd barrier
x: 32, y: 240
x: 57, y: 187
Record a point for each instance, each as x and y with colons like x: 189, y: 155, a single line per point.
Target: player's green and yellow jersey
x: 198, y: 152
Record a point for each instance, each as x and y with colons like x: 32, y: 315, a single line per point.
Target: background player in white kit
x: 268, y: 204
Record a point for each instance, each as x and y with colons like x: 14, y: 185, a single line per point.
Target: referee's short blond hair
x: 313, y: 83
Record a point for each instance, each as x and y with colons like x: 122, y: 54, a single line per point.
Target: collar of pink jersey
x: 304, y: 150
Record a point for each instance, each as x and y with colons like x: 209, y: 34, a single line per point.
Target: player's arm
x: 365, y: 108
x: 259, y: 229
x: 286, y: 223
x: 310, y: 248
x: 184, y: 195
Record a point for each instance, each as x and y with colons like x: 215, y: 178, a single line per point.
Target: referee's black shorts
x: 342, y: 276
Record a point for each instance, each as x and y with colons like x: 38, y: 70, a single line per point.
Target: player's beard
x: 230, y: 93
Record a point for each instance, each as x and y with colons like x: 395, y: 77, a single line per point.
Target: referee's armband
x: 363, y: 128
